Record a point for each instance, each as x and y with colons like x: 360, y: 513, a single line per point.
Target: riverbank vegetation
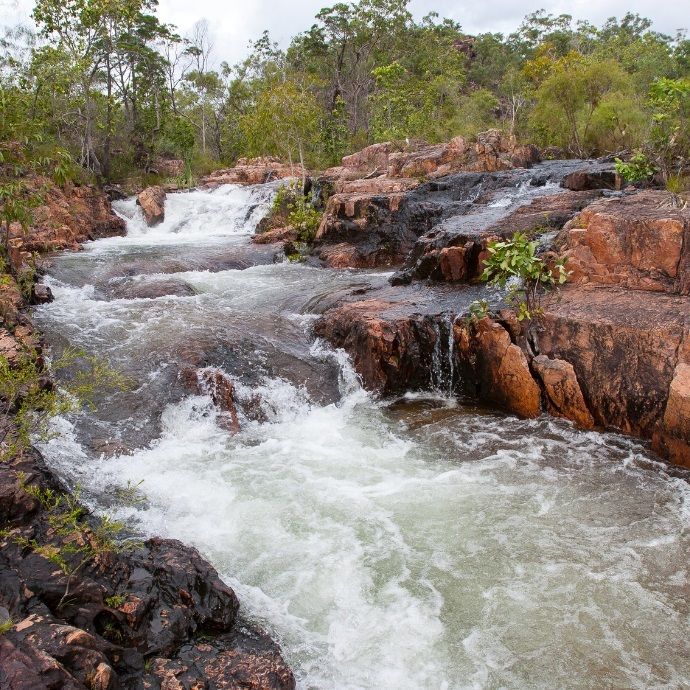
x: 105, y: 90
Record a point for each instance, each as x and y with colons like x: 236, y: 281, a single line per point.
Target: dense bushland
x: 105, y: 89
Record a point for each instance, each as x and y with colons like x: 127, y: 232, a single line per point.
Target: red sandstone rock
x: 637, y: 241
x: 624, y: 347
x: 152, y: 202
x: 563, y: 394
x: 500, y: 367
x: 392, y: 354
x: 275, y: 235
x: 253, y: 171
x: 222, y: 392
x: 66, y: 217
x: 10, y: 348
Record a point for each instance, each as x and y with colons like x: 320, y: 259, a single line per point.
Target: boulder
x: 391, y: 353
x: 222, y: 391
x: 624, y: 348
x: 152, y: 202
x: 584, y: 180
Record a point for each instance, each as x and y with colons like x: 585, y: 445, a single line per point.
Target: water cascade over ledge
x: 408, y: 543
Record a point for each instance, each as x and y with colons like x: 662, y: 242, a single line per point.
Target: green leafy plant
x: 73, y: 543
x: 476, y: 312
x: 638, y: 168
x: 29, y: 398
x: 6, y: 626
x: 515, y: 261
x: 291, y: 206
x: 116, y: 601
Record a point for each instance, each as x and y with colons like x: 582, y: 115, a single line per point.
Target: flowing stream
x: 415, y: 543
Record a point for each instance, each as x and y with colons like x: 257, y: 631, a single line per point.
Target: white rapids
x: 385, y: 545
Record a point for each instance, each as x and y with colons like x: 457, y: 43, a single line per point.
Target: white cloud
x: 235, y: 22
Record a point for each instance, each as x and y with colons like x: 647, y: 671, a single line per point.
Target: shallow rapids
x: 415, y: 543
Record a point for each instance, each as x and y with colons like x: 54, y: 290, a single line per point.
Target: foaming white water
x: 413, y: 545
x: 209, y: 215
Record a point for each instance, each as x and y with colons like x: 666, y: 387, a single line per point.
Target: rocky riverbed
x: 420, y: 514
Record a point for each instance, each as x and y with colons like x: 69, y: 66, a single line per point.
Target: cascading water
x: 409, y: 544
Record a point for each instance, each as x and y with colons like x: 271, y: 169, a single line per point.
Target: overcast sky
x: 235, y: 22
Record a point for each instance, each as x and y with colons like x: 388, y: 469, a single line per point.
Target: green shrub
x: 637, y: 169
x: 516, y: 261
x: 291, y: 207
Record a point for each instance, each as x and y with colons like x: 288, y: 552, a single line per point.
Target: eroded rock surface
x: 638, y: 241
x: 65, y: 218
x: 250, y: 171
x: 157, y: 616
x: 455, y: 251
x: 611, y: 351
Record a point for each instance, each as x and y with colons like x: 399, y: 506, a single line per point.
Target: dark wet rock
x: 160, y: 602
x: 455, y: 251
x: 376, y: 224
x: 115, y: 192
x: 586, y: 179
x: 41, y: 294
x: 152, y: 289
x: 152, y: 202
x: 222, y: 391
x: 391, y: 355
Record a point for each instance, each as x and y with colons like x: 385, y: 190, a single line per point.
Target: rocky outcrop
x: 366, y: 230
x: 492, y: 151
x: 392, y: 353
x: 378, y: 208
x: 494, y: 369
x: 250, y: 171
x: 611, y: 351
x: 455, y: 252
x: 150, y: 616
x: 66, y: 217
x: 638, y: 241
x: 626, y: 349
x: 152, y: 203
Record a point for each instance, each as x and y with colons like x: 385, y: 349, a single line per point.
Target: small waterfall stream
x: 407, y: 544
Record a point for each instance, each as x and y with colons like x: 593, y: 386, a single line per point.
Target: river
x: 390, y: 544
